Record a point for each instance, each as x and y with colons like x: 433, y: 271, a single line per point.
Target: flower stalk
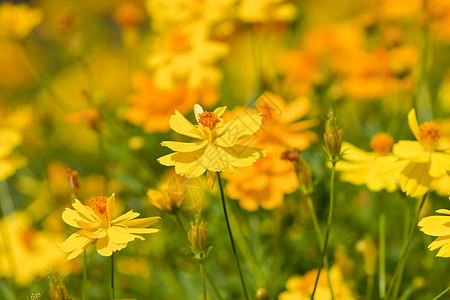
x: 112, y: 277
x: 230, y: 234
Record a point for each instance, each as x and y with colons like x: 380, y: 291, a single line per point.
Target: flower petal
x: 296, y: 109
x: 125, y: 217
x: 414, y: 179
x: 411, y: 150
x: 412, y: 122
x: 141, y: 222
x: 440, y: 164
x: 86, y: 211
x: 241, y: 127
x: 180, y: 124
x: 185, y: 147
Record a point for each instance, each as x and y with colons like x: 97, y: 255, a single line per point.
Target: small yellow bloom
x: 360, y: 167
x: 17, y: 20
x: 218, y: 146
x: 424, y: 160
x: 259, y: 11
x: 96, y: 226
x: 438, y: 226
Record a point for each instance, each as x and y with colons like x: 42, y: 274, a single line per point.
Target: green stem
x: 312, y: 212
x: 84, y: 292
x: 397, y: 278
x: 327, y: 234
x: 370, y: 283
x: 177, y: 217
x: 202, y: 274
x: 442, y: 294
x: 230, y: 234
x: 112, y: 276
x: 382, y: 251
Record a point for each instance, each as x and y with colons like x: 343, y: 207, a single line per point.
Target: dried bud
x: 291, y: 155
x: 333, y: 136
x: 58, y: 290
x: 72, y: 175
x: 262, y: 294
x: 198, y: 238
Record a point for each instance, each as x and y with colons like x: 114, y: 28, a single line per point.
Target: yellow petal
x: 186, y: 164
x: 445, y: 250
x: 104, y: 246
x: 75, y: 243
x: 180, y: 124
x: 76, y: 219
x: 210, y: 178
x: 10, y: 139
x: 241, y: 127
x: 414, y: 179
x: 142, y: 230
x: 241, y: 155
x: 296, y: 110
x: 125, y: 217
x: 142, y: 222
x: 110, y: 206
x: 353, y: 153
x: 220, y: 110
x: 435, y: 225
x: 94, y: 233
x: 440, y: 164
x: 412, y: 122
x: 411, y: 150
x: 185, y: 147
x: 86, y: 211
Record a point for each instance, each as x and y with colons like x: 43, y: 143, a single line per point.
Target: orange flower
x: 151, y: 107
x: 267, y: 181
x: 262, y: 184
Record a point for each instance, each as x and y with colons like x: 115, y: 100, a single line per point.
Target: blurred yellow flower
x: 188, y: 55
x: 300, y: 287
x: 218, y: 147
x: 260, y: 11
x: 9, y: 162
x: 151, y: 106
x: 424, y: 160
x: 17, y: 20
x: 360, y: 167
x: 438, y: 226
x: 96, y: 226
x: 171, y: 193
x: 262, y: 184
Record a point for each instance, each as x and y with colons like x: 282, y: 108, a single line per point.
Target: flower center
x: 381, y: 143
x: 428, y: 135
x: 208, y: 119
x: 178, y: 41
x: 99, y: 204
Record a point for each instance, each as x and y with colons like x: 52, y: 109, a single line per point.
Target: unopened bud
x: 333, y: 136
x: 304, y: 177
x: 198, y: 238
x: 58, y: 290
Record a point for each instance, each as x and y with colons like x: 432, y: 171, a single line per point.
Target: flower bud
x: 333, y: 136
x: 58, y: 290
x: 198, y: 238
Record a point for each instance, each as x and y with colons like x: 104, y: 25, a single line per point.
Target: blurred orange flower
x: 151, y: 107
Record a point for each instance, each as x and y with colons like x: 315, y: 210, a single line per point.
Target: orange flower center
x: 429, y: 135
x: 99, y: 204
x: 208, y: 119
x: 178, y: 41
x: 381, y: 143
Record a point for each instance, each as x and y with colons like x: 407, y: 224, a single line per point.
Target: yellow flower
x: 360, y: 167
x: 17, y: 20
x: 218, y: 146
x: 424, y: 161
x: 438, y: 226
x: 96, y: 226
x: 186, y: 55
x: 259, y: 11
x: 300, y: 287
x: 9, y: 163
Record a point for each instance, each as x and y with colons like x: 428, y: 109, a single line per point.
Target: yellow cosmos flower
x: 363, y: 168
x: 17, y: 20
x: 424, y: 160
x: 96, y: 226
x: 438, y: 226
x: 218, y: 146
x: 9, y: 163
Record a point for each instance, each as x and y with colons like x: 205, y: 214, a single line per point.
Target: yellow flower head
x: 218, y: 146
x: 17, y: 20
x: 421, y: 160
x: 96, y: 226
x: 9, y: 163
x: 438, y: 226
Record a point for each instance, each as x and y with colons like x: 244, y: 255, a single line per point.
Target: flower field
x: 225, y: 149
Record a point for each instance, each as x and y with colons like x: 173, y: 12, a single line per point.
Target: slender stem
x: 112, y: 276
x: 327, y: 234
x: 382, y: 251
x: 84, y: 292
x: 312, y: 212
x: 230, y: 234
x: 397, y: 278
x: 202, y: 274
x: 442, y: 294
x: 177, y: 217
x: 369, y: 290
